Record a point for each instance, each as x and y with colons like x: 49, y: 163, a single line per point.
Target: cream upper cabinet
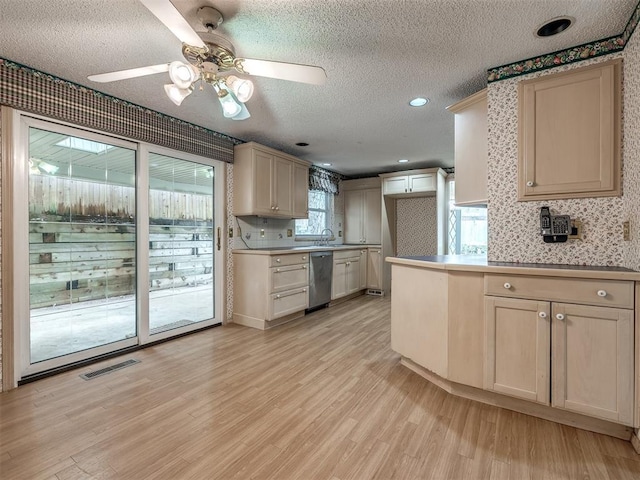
x: 471, y: 149
x: 570, y: 134
x: 363, y: 212
x: 410, y: 185
x: 268, y: 183
x: 300, y: 190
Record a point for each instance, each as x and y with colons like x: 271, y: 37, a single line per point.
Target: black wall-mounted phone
x: 554, y: 228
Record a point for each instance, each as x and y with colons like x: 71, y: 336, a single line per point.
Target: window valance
x: 324, y: 180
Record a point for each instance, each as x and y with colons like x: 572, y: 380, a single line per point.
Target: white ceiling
x: 378, y: 54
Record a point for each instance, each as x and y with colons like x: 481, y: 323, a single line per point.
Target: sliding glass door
x: 119, y: 244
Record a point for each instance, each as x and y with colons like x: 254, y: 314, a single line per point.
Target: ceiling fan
x: 211, y: 60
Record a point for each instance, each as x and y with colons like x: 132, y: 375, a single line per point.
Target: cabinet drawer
x: 289, y: 259
x: 612, y: 293
x: 288, y: 277
x: 343, y: 254
x: 286, y: 303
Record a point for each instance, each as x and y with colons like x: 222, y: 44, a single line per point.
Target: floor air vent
x: 112, y: 368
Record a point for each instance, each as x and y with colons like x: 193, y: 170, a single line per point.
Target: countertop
x: 306, y: 248
x: 478, y: 263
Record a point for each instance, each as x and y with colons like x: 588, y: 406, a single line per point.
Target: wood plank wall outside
x: 73, y: 262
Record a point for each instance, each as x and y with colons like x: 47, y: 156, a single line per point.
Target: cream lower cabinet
x: 592, y: 351
x: 347, y: 277
x: 269, y: 289
x: 517, y: 343
x: 374, y: 269
x: 571, y: 356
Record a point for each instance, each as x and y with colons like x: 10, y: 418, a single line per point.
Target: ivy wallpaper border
x: 578, y: 53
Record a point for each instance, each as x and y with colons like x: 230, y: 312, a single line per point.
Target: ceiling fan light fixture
x: 182, y: 74
x: 241, y: 87
x: 230, y: 108
x: 243, y: 115
x: 176, y: 94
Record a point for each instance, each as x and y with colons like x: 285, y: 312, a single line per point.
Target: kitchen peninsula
x: 555, y: 341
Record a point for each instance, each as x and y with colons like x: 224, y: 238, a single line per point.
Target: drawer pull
x: 559, y: 316
x: 530, y: 183
x: 602, y: 293
x: 277, y: 296
x: 304, y: 267
x: 277, y: 270
x: 304, y: 257
x: 507, y: 285
x: 542, y: 314
x: 277, y: 260
x: 304, y: 289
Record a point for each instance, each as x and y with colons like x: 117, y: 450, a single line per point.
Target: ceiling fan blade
x: 293, y: 72
x: 131, y: 73
x: 174, y: 21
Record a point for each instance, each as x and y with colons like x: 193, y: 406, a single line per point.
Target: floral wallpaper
x: 416, y: 226
x: 513, y: 226
x: 631, y: 150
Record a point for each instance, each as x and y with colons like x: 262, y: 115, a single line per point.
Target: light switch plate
x: 289, y: 232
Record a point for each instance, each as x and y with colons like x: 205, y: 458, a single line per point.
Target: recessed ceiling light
x: 554, y: 26
x: 326, y: 164
x: 419, y: 102
x: 404, y: 160
x: 302, y: 144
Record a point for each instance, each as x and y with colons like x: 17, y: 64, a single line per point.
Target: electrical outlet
x: 575, y: 232
x: 262, y: 233
x: 230, y: 232
x: 289, y: 232
x: 626, y: 231
x: 339, y: 233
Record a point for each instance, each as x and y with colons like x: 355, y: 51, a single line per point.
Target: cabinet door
x: 593, y: 361
x: 262, y: 183
x: 300, y: 191
x: 374, y: 268
x: 282, y: 184
x: 353, y: 275
x: 339, y: 279
x: 569, y: 127
x: 424, y: 182
x: 395, y: 185
x: 517, y: 348
x: 363, y: 269
x: 353, y: 216
x: 372, y: 211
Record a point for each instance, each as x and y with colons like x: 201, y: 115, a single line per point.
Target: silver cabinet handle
x: 542, y: 314
x: 273, y: 208
x: 277, y: 208
x: 507, y: 285
x: 559, y: 316
x: 602, y: 293
x: 530, y: 183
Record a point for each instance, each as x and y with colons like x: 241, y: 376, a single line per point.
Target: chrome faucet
x: 327, y: 238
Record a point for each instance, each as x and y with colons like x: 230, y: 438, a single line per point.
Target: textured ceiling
x: 377, y: 55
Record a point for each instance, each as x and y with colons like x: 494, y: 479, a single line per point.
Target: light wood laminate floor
x: 320, y: 398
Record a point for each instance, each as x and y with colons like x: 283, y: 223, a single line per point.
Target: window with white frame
x: 320, y: 204
x: 467, y: 227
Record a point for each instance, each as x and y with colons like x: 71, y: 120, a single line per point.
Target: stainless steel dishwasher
x: 320, y: 273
